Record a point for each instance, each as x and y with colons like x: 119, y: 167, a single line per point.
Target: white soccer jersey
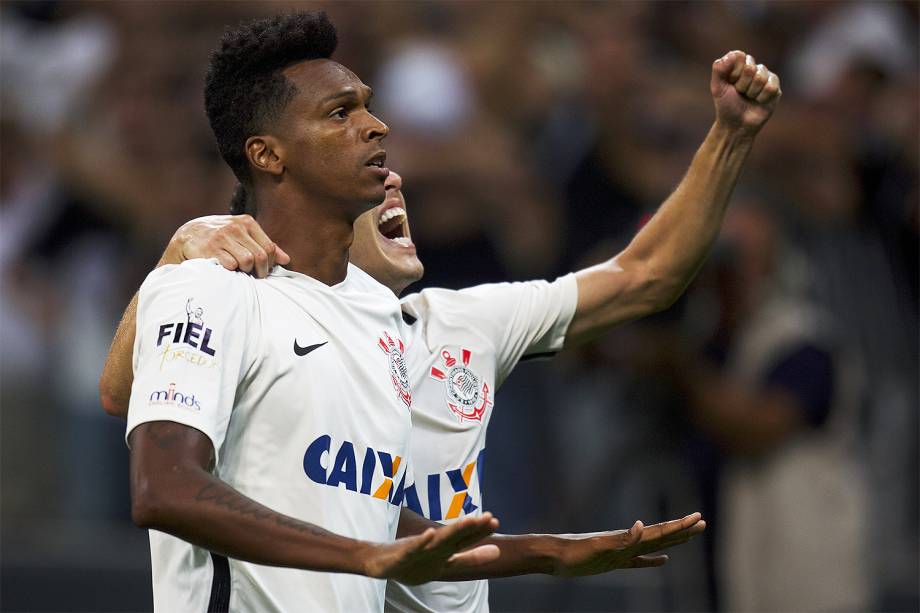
x: 303, y: 390
x: 463, y: 345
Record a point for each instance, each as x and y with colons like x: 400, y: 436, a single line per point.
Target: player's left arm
x: 662, y: 259
x: 568, y: 555
x: 238, y: 243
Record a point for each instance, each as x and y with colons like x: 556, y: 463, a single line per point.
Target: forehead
x: 320, y: 80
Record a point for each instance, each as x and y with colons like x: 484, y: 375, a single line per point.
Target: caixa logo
x: 189, y: 332
x: 374, y: 478
x: 455, y: 483
x: 171, y: 396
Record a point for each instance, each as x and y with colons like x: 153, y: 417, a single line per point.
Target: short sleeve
x: 189, y: 347
x: 518, y: 320
x: 808, y: 374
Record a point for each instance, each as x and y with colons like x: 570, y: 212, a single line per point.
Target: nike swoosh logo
x: 302, y: 351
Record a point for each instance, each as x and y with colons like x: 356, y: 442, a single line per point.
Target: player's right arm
x: 238, y: 243
x: 173, y: 491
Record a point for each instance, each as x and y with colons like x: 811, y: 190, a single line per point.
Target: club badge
x: 467, y: 394
x: 399, y: 372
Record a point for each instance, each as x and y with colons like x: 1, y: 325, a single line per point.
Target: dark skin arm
x: 570, y: 555
x: 173, y: 490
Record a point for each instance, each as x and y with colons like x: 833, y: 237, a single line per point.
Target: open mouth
x: 393, y: 225
x: 377, y: 162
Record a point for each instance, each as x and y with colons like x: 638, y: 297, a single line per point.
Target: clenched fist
x: 745, y: 92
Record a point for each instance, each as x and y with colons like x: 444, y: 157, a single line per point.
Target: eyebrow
x: 348, y: 93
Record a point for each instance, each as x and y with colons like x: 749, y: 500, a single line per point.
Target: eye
x: 339, y: 113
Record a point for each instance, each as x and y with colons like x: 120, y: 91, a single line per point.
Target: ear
x: 265, y: 153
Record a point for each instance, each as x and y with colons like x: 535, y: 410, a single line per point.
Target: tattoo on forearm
x: 222, y: 496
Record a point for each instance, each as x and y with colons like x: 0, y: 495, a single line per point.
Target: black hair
x: 244, y: 88
x: 239, y: 202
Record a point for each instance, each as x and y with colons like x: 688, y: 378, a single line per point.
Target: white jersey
x: 303, y: 391
x: 464, y: 344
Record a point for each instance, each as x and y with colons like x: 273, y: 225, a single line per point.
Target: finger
x: 770, y: 90
x: 635, y: 534
x: 657, y: 531
x: 261, y: 259
x: 758, y: 82
x: 243, y: 256
x: 464, y: 533
x: 475, y: 556
x: 226, y: 260
x: 275, y: 253
x: 737, y: 65
x: 646, y: 561
x: 672, y: 540
x: 747, y: 75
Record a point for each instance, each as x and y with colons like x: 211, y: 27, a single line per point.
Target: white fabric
x: 281, y: 424
x: 464, y: 344
x: 794, y: 531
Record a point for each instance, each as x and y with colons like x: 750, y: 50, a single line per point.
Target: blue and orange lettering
x: 313, y: 459
x: 460, y: 481
x: 367, y: 470
x: 434, y: 497
x: 344, y: 470
x: 389, y: 465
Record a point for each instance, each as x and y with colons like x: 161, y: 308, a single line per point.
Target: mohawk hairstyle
x: 244, y: 89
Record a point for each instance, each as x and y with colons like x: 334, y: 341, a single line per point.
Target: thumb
x: 281, y: 257
x: 475, y: 556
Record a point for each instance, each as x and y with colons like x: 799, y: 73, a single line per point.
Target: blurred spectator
x: 781, y: 396
x: 532, y: 136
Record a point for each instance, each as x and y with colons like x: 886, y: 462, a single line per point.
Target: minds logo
x: 172, y: 397
x: 191, y: 333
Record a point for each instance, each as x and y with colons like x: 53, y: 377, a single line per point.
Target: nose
x: 393, y: 181
x: 376, y: 129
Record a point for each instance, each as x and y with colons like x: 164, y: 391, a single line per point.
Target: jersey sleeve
x: 189, y: 350
x: 520, y: 320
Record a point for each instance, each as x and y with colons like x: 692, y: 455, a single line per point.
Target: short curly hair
x: 245, y: 90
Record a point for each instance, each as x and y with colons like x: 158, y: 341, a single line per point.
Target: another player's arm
x: 237, y: 241
x: 569, y: 554
x: 173, y: 490
x: 662, y: 259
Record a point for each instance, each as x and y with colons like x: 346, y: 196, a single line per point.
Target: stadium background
x: 533, y: 138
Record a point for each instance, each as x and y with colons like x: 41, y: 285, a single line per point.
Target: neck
x: 315, y: 234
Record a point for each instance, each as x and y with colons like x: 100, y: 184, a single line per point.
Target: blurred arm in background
x: 664, y: 256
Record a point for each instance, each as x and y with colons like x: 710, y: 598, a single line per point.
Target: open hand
x: 745, y: 92
x: 427, y: 556
x: 237, y: 241
x: 599, y: 552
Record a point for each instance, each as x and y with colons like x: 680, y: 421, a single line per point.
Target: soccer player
x: 281, y: 383
x: 460, y: 360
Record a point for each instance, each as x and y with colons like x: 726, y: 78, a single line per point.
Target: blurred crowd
x: 779, y: 395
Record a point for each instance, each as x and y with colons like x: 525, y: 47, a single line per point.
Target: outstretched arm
x: 569, y: 555
x: 172, y: 490
x: 237, y: 241
x: 662, y: 259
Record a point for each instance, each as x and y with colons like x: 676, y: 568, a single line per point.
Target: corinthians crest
x: 399, y: 372
x: 467, y: 394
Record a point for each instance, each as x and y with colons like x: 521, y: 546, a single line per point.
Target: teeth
x: 405, y: 241
x: 389, y: 214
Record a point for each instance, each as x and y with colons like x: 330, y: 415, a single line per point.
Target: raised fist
x: 744, y: 92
